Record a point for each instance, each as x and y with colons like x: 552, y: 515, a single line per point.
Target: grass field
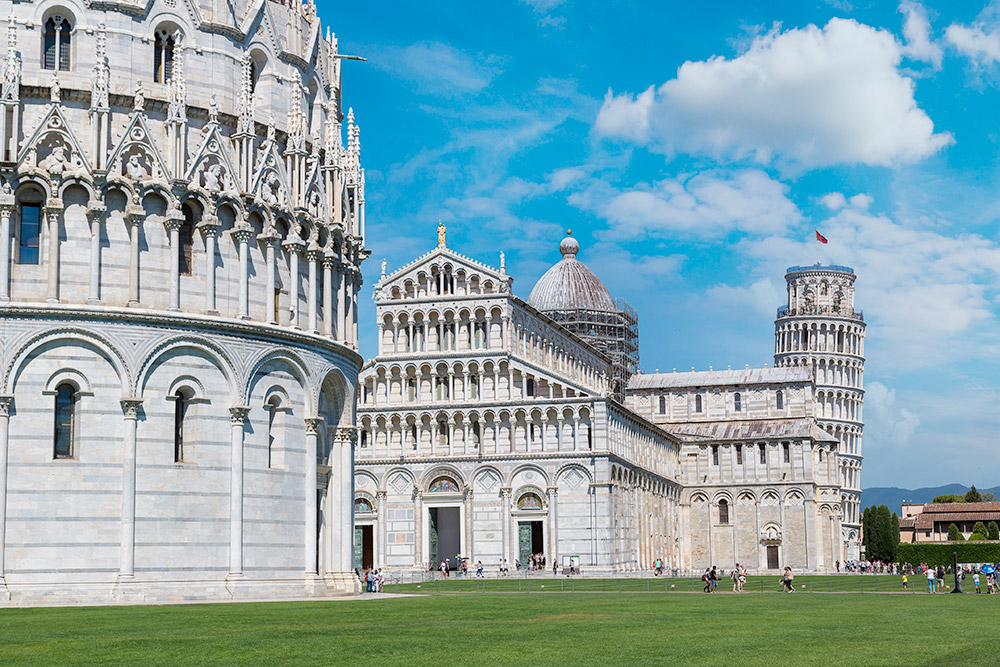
x: 505, y: 629
x: 756, y: 584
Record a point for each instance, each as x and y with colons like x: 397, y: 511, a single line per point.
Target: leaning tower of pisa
x: 820, y: 328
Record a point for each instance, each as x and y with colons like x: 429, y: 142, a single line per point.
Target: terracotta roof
x: 956, y: 512
x: 908, y: 523
x: 757, y: 429
x: 740, y: 377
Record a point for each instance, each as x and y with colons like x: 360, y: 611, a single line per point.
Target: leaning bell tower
x: 820, y: 328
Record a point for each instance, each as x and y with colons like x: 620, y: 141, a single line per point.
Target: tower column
x: 95, y: 214
x: 209, y: 228
x: 6, y: 209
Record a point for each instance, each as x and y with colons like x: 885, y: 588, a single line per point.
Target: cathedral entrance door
x: 445, y: 535
x: 529, y: 540
x: 772, y: 557
x: 364, y: 553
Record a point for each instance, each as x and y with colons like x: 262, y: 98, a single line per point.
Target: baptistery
x: 183, y: 228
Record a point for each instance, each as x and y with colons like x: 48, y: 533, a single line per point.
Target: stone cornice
x: 182, y: 321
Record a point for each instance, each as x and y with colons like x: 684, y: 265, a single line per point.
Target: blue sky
x: 693, y: 151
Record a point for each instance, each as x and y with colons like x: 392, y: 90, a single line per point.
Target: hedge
x: 941, y: 554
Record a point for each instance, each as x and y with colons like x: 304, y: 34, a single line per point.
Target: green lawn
x: 758, y: 584
x: 504, y: 629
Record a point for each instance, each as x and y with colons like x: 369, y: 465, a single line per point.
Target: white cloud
x: 885, y: 422
x: 542, y: 6
x: 438, y: 68
x: 917, y: 30
x: 930, y: 297
x: 802, y: 98
x: 975, y: 43
x: 834, y: 201
x: 703, y: 205
x: 759, y: 298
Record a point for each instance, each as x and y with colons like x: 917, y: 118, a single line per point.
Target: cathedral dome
x: 570, y: 285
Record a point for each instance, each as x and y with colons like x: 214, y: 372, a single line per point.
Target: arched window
x: 254, y: 75
x: 413, y: 435
x: 737, y: 402
x: 364, y: 438
x: 476, y: 434
x: 163, y: 56
x: 663, y: 405
x: 715, y: 455
x: 55, y: 50
x: 363, y: 506
x: 779, y: 400
x: 443, y: 433
x: 443, y: 484
x: 474, y: 386
x: 411, y: 389
x: 697, y: 403
x: 531, y: 387
x: 181, y: 404
x: 724, y: 511
x: 185, y: 239
x: 65, y: 417
x: 529, y: 502
x: 763, y: 453
x: 274, y: 432
x: 29, y: 227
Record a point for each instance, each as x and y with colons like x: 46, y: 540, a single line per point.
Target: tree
x: 949, y: 498
x: 979, y: 529
x: 993, y: 532
x: 954, y: 534
x: 989, y: 497
x: 973, y: 496
x: 894, y: 541
x: 885, y: 534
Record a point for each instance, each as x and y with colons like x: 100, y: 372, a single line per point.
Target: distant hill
x: 893, y: 497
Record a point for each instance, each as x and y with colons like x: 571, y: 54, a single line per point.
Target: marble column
x: 209, y: 228
x: 242, y: 235
x: 5, y: 405
x: 53, y: 211
x: 134, y: 216
x: 126, y: 565
x: 329, y: 259
x: 346, y: 479
x: 313, y: 427
x: 418, y: 529
x: 341, y: 306
x: 268, y: 239
x: 333, y: 499
x: 553, y: 556
x: 467, y: 548
x: 383, y: 542
x: 312, y: 257
x: 237, y: 420
x: 172, y: 224
x: 6, y: 209
x: 505, y: 517
x: 95, y: 214
x: 293, y: 246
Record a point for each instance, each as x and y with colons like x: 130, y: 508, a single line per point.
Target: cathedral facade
x: 183, y: 228
x: 490, y: 431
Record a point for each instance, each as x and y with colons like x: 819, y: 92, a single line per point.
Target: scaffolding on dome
x: 613, y: 332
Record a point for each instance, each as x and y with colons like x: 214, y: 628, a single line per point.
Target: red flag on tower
x: 820, y: 238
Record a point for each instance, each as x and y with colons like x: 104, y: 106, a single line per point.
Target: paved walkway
x: 342, y: 598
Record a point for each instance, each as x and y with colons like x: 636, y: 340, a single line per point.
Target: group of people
x: 869, y: 567
x: 739, y: 577
x: 710, y: 579
x: 374, y: 580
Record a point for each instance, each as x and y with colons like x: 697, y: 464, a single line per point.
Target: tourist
x: 838, y: 567
x: 788, y: 583
x: 707, y: 579
x: 555, y: 569
x: 379, y: 581
x: 735, y: 576
x: 479, y: 569
x: 742, y: 579
x: 975, y: 581
x: 715, y: 579
x: 904, y: 582
x: 940, y: 578
x: 930, y: 580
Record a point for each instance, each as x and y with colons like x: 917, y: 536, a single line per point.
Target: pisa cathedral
x: 492, y: 428
x: 183, y: 230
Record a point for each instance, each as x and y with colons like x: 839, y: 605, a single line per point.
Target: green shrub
x: 941, y: 554
x: 980, y: 528
x: 949, y: 498
x: 994, y: 531
x: 954, y: 534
